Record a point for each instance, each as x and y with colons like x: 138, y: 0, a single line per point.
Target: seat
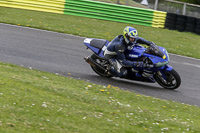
x: 98, y: 43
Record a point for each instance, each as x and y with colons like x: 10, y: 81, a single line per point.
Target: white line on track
x: 198, y: 66
x: 185, y: 57
x: 184, y: 63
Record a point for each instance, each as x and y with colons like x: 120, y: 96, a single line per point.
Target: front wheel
x: 168, y: 79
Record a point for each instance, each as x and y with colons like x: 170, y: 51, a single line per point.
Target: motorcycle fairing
x: 135, y: 53
x: 159, y: 61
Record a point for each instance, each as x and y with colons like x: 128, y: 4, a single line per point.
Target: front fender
x: 168, y: 68
x: 165, y: 68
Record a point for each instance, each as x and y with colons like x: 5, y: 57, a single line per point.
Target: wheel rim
x: 170, y: 81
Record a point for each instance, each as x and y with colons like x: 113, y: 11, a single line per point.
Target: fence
x: 93, y: 9
x: 173, y: 6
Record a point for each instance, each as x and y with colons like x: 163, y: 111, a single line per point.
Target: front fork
x: 161, y: 72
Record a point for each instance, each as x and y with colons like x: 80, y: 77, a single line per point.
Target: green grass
x: 33, y: 101
x: 182, y: 43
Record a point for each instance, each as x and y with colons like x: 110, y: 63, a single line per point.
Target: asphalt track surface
x: 63, y: 54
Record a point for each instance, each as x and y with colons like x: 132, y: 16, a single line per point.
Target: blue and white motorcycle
x: 156, y: 56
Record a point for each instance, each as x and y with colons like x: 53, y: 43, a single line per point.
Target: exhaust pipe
x: 93, y: 63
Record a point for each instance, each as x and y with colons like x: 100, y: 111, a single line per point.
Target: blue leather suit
x: 118, y: 46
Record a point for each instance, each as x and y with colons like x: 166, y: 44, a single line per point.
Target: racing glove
x: 141, y: 64
x: 138, y: 64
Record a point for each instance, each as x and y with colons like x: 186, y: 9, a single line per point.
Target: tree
x: 118, y: 1
x: 191, y: 1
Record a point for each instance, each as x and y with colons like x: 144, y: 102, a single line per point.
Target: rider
x: 117, y: 47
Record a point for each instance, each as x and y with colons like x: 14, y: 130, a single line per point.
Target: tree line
x: 191, y: 1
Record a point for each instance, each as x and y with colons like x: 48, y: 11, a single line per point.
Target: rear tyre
x: 172, y: 80
x: 103, y: 63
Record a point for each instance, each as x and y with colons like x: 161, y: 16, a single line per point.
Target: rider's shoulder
x: 120, y: 36
x: 116, y: 39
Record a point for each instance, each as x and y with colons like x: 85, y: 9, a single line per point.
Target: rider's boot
x: 117, y: 69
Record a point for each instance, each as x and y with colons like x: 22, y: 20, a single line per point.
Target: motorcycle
x: 156, y: 56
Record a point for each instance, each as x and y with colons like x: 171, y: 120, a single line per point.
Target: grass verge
x: 35, y: 101
x: 182, y: 43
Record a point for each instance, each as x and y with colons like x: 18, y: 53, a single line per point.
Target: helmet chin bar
x: 129, y: 43
x: 127, y: 40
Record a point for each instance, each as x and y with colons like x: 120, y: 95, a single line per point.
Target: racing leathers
x: 115, y: 54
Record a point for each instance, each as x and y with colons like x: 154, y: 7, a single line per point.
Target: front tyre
x: 168, y: 79
x: 103, y: 63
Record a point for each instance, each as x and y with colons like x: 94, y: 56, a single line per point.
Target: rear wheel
x: 103, y: 63
x: 168, y: 79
